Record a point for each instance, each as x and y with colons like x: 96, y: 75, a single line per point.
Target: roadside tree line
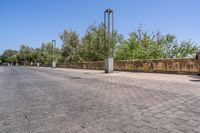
x: 90, y: 47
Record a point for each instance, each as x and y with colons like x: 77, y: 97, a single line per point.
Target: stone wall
x: 185, y: 66
x: 96, y: 65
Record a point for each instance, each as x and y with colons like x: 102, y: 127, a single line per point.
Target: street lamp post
x: 109, y: 43
x: 53, y: 53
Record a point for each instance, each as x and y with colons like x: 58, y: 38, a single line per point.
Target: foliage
x: 10, y: 56
x: 139, y: 45
x: 183, y: 49
x: 93, y: 43
x: 1, y: 59
x: 25, y: 54
x: 142, y: 45
x: 45, y: 51
x: 71, y: 46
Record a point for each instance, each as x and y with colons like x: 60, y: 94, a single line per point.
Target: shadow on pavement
x: 195, y: 78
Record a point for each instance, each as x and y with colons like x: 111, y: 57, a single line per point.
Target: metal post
x: 113, y: 47
x: 53, y: 53
x: 109, y: 46
x: 108, y: 34
x: 105, y: 46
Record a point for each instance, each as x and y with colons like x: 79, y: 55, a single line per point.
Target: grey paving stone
x: 197, y: 129
x: 42, y: 100
x: 177, y: 131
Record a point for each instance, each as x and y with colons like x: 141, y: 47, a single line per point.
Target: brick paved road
x: 42, y: 100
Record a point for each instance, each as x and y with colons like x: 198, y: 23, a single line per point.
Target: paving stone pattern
x: 44, y: 100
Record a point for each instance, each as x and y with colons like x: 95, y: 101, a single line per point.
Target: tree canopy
x: 90, y: 47
x: 143, y: 45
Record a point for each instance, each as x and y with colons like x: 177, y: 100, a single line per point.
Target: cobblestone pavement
x: 42, y: 100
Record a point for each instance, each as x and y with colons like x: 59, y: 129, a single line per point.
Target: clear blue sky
x: 32, y: 22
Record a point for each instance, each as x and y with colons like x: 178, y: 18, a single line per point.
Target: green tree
x: 184, y: 49
x: 141, y: 45
x: 70, y: 50
x: 24, y: 52
x: 1, y: 58
x: 92, y: 48
x: 93, y: 43
x: 10, y: 56
x: 46, y: 56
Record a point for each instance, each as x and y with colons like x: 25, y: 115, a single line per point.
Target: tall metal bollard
x: 109, y: 43
x: 53, y: 53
